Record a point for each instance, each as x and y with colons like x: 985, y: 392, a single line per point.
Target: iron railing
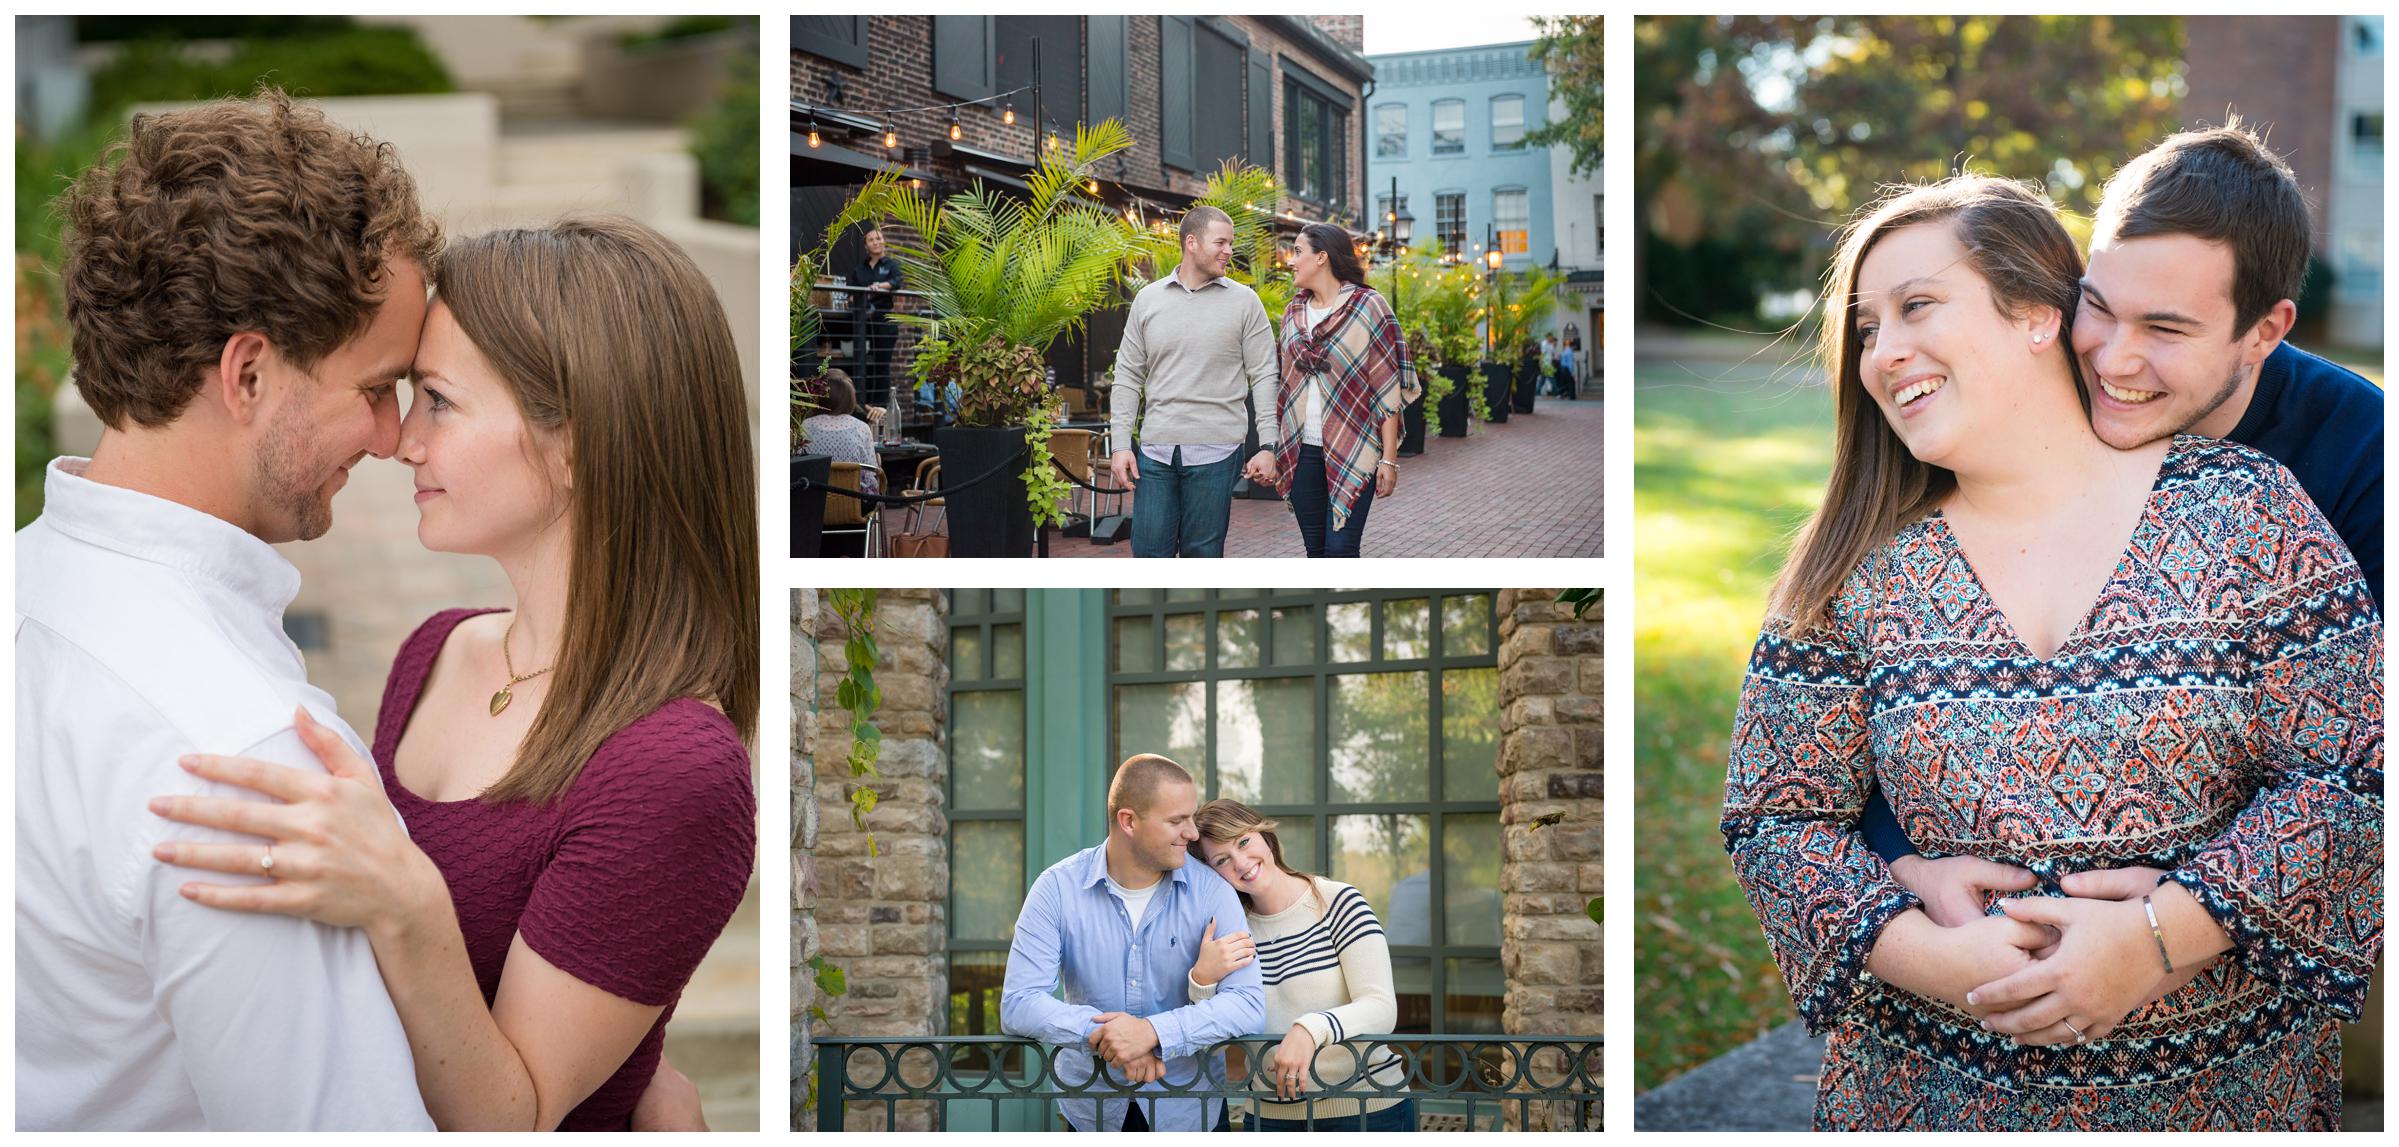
x: 1548, y: 1081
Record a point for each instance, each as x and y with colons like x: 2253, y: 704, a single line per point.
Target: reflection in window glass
x: 1475, y: 995
x: 1136, y: 596
x: 987, y: 749
x: 966, y: 654
x: 1470, y: 873
x: 1186, y: 641
x: 1406, y: 629
x: 1295, y: 635
x: 1186, y: 595
x: 1266, y: 740
x: 1466, y: 626
x: 975, y: 979
x: 1237, y: 639
x: 1469, y: 734
x: 1007, y: 601
x: 1378, y: 748
x: 1297, y: 834
x: 1449, y: 127
x: 987, y: 878
x: 1350, y: 624
x: 970, y: 601
x: 1008, y: 651
x: 1507, y: 123
x: 1170, y: 720
x: 1136, y: 648
x: 1388, y: 858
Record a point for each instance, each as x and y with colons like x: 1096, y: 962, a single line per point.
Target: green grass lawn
x: 1728, y: 459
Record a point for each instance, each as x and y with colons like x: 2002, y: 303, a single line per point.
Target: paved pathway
x: 1529, y: 487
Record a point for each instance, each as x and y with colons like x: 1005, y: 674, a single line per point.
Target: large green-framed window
x: 986, y: 798
x: 1367, y: 723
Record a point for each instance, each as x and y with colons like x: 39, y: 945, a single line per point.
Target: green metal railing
x: 1546, y: 1080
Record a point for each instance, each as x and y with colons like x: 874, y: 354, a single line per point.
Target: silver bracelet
x: 1388, y: 462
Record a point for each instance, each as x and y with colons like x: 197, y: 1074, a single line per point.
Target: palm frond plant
x: 1002, y: 274
x: 1443, y: 321
x: 1523, y: 308
x: 805, y: 399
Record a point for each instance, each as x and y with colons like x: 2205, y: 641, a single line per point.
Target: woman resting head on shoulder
x: 1328, y: 978
x: 573, y: 771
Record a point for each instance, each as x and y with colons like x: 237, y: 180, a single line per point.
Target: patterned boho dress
x: 2217, y: 714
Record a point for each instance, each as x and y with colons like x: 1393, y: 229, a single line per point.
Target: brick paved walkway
x: 1527, y: 488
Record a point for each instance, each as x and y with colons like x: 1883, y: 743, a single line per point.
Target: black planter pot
x: 1455, y: 411
x: 989, y: 519
x: 808, y: 506
x: 1411, y: 429
x: 1498, y: 382
x: 1526, y: 380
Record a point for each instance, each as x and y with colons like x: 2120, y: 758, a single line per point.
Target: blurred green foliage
x: 1760, y: 135
x: 156, y: 62
x: 682, y: 28
x: 1570, y: 50
x: 724, y: 138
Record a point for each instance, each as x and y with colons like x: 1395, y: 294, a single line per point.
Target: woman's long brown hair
x: 2014, y: 241
x: 607, y: 331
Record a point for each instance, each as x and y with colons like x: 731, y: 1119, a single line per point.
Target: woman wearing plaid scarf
x: 1346, y: 377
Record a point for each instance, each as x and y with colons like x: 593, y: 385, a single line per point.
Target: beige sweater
x: 1188, y: 360
x: 1328, y: 969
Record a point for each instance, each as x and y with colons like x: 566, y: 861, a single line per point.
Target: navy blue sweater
x: 2323, y: 422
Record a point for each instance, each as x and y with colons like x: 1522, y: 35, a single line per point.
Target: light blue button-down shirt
x: 1074, y: 932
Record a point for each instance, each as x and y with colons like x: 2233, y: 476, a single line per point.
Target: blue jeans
x: 1400, y: 1116
x: 1182, y: 509
x: 1312, y: 503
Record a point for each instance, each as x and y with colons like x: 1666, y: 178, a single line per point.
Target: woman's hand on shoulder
x: 1221, y: 956
x: 336, y: 852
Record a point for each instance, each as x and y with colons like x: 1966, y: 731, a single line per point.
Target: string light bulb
x: 1008, y: 113
x: 956, y: 132
x: 891, y: 139
x: 814, y: 140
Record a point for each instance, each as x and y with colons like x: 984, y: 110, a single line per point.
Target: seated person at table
x: 837, y: 433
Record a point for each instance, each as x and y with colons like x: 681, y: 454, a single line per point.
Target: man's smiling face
x: 2155, y: 330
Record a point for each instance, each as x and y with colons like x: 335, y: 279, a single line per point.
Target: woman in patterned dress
x: 2151, y: 677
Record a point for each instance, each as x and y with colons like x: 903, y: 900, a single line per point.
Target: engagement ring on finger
x: 266, y: 861
x: 2078, y: 1036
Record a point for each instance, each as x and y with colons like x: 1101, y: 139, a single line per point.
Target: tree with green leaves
x: 1570, y: 50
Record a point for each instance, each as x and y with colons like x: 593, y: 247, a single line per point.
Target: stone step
x: 577, y: 154
x: 714, y: 1035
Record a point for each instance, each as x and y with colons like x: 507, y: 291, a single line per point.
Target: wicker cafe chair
x: 1072, y: 449
x: 849, y: 515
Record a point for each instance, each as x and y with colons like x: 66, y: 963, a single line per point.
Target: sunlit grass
x: 1728, y: 460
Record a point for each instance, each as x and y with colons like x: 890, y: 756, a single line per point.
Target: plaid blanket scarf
x: 1358, y: 353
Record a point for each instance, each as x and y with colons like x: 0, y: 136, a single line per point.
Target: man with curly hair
x: 245, y: 282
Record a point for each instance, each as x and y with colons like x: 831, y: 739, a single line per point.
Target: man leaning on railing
x: 1120, y: 924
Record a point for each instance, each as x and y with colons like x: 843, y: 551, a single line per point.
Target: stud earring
x: 2037, y: 339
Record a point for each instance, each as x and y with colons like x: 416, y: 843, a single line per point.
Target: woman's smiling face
x: 1936, y: 352
x: 486, y: 480
x: 1247, y: 864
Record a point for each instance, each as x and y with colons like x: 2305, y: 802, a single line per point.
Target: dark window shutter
x: 1261, y: 109
x: 1105, y: 95
x: 841, y: 39
x: 962, y: 56
x: 1174, y: 94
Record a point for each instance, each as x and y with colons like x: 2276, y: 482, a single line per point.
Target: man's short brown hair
x: 2223, y: 185
x: 1137, y: 781
x: 230, y: 216
x: 1196, y: 221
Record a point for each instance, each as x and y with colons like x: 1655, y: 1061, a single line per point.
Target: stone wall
x: 805, y: 609
x: 883, y: 919
x: 1549, y: 762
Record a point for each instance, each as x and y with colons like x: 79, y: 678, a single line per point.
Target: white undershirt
x: 1311, y: 430
x: 1136, y: 900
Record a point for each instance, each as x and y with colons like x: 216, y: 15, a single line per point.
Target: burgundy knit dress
x: 623, y: 882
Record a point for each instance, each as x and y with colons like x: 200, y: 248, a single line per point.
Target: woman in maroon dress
x: 579, y: 813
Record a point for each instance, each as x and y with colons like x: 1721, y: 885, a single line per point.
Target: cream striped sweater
x: 1328, y: 969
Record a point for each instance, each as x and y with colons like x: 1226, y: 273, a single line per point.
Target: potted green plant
x: 1527, y: 301
x: 1003, y: 277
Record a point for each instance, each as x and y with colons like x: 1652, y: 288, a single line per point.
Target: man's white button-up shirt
x: 146, y: 630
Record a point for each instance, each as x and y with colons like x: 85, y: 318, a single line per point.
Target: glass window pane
x: 1378, y: 748
x: 1387, y: 857
x: 1351, y: 626
x: 1136, y: 648
x: 964, y: 602
x: 975, y: 979
x: 1470, y: 734
x: 1295, y: 635
x: 1186, y: 595
x: 987, y: 749
x: 987, y: 878
x: 1007, y: 651
x: 1170, y: 720
x: 1466, y: 626
x: 1237, y: 639
x: 1186, y: 641
x: 1266, y: 741
x: 1007, y: 601
x: 1470, y: 876
x: 966, y: 653
x: 1412, y: 983
x: 1136, y: 596
x: 1297, y: 835
x: 1407, y: 629
x: 1473, y: 995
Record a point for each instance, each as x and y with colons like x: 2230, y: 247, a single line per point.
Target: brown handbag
x: 919, y: 541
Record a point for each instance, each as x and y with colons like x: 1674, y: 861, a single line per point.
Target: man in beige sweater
x: 1196, y: 344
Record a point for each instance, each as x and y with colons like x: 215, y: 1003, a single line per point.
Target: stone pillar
x: 804, y: 611
x: 1549, y: 762
x: 883, y: 919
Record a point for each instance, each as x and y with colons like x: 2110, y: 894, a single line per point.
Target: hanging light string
x: 978, y: 102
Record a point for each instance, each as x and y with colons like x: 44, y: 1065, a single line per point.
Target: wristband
x: 1393, y: 465
x: 2159, y: 934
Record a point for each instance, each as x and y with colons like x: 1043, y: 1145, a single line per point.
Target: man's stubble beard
x: 281, y: 488
x: 2223, y: 395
